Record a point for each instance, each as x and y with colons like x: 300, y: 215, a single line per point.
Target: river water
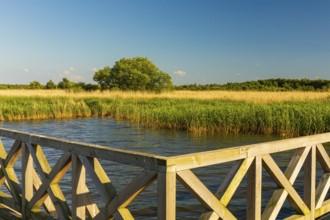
x: 120, y: 134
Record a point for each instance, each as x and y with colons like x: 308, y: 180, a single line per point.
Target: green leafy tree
x: 104, y: 78
x: 35, y: 85
x: 65, y: 84
x: 137, y: 73
x: 50, y: 85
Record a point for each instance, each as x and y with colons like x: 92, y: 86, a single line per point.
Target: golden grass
x: 248, y: 96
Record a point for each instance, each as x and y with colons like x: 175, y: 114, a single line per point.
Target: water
x: 120, y: 134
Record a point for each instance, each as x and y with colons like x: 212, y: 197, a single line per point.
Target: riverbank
x: 267, y: 113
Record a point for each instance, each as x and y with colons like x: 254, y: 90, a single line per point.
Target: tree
x: 50, y: 85
x: 104, y: 78
x: 65, y: 84
x: 137, y: 73
x: 35, y: 85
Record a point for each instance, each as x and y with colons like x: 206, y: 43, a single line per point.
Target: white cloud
x: 180, y: 73
x: 71, y: 75
x: 26, y: 70
x: 94, y: 69
x: 237, y: 74
x: 258, y: 64
x: 68, y: 71
x: 76, y: 77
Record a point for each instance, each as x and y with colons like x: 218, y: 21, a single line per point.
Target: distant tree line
x: 265, y: 85
x: 140, y: 74
x: 135, y: 74
x: 65, y: 84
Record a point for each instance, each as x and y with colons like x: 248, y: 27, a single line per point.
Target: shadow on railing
x: 37, y: 194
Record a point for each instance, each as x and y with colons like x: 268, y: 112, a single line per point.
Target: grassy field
x: 280, y: 113
x: 246, y: 96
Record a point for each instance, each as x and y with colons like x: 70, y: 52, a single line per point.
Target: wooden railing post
x: 254, y: 178
x: 309, y: 180
x: 27, y: 180
x: 78, y: 189
x: 166, y: 186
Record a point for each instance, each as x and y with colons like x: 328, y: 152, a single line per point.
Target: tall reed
x: 289, y: 118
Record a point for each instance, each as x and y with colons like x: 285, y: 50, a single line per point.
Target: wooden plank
x: 296, y: 163
x: 228, y: 179
x: 237, y: 179
x: 127, y: 195
x: 195, y: 160
x: 10, y: 204
x: 50, y: 185
x: 208, y: 158
x: 3, y: 152
x: 13, y: 155
x: 8, y: 175
x: 7, y: 168
x: 324, y: 209
x: 279, y: 196
x: 13, y: 183
x: 101, y: 152
x: 201, y: 192
x: 166, y: 188
x: 298, y: 217
x: 47, y: 202
x: 123, y: 214
x: 27, y: 181
x: 41, y: 157
x: 99, y: 178
x: 287, y: 144
x: 323, y: 158
x: 209, y: 216
x: 81, y: 198
x: 277, y: 175
x: 78, y: 188
x: 230, y: 184
x: 322, y: 190
x: 310, y: 180
x: 254, y: 183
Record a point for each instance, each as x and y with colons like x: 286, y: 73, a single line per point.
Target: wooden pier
x: 37, y: 194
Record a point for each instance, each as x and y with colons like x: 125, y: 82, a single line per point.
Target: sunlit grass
x: 279, y: 113
x: 247, y: 96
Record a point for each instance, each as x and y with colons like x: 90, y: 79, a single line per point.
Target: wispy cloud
x: 180, y: 73
x: 26, y: 70
x: 258, y: 64
x: 71, y: 74
x: 68, y: 71
x: 76, y: 77
x: 94, y: 69
x: 237, y: 74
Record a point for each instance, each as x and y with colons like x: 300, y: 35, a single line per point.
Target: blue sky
x: 195, y: 41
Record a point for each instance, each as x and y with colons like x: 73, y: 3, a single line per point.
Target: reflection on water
x: 119, y: 134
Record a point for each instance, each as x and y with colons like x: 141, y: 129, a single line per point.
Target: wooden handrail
x: 39, y: 183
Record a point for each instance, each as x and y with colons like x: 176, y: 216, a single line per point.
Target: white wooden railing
x: 37, y: 194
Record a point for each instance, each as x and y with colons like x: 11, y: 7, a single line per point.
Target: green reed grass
x: 28, y: 108
x: 199, y: 116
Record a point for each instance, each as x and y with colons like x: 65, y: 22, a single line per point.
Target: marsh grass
x: 286, y: 114
x: 246, y: 96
